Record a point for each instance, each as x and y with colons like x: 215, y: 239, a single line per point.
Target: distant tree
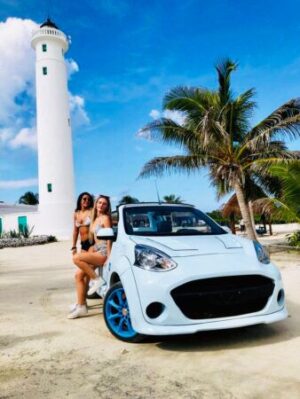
x: 218, y: 217
x: 172, y: 199
x: 29, y: 198
x: 127, y: 199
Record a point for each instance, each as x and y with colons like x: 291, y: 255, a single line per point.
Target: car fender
x: 133, y: 299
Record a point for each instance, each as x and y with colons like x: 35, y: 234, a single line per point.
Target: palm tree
x: 29, y: 198
x: 216, y: 133
x: 172, y: 199
x: 127, y: 199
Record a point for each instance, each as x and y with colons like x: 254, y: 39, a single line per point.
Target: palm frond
x: 289, y: 175
x: 276, y: 208
x: 240, y: 112
x: 168, y: 131
x: 224, y: 69
x: 195, y: 103
x: 180, y: 163
x: 284, y: 122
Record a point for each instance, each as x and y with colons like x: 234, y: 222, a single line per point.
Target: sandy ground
x: 44, y: 355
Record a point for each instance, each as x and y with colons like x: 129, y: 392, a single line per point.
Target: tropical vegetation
x: 216, y: 133
x: 286, y: 205
x: 172, y: 199
x: 127, y: 199
x: 29, y: 198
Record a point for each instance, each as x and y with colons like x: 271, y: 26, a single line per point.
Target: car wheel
x: 117, y: 315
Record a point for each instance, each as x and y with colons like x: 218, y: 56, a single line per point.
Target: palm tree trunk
x: 250, y: 207
x: 232, y: 222
x: 244, y: 211
x: 270, y: 227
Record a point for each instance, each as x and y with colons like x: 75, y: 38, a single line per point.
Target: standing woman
x: 82, y: 221
x: 96, y: 256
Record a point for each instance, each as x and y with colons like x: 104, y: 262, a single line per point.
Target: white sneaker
x: 95, y: 285
x: 73, y: 307
x: 78, y: 312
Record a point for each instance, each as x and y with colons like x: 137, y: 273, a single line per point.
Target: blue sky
x: 124, y: 56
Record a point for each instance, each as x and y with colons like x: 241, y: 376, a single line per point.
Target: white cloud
x: 144, y: 134
x: 17, y: 75
x: 16, y: 65
x: 5, y: 135
x: 176, y: 116
x: 79, y: 116
x: 154, y: 113
x: 9, y: 184
x: 26, y: 137
x: 72, y: 67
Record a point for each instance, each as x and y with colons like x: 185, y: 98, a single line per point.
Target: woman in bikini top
x: 97, y: 255
x: 99, y: 245
x: 82, y: 221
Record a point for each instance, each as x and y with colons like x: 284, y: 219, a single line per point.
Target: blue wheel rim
x: 117, y: 314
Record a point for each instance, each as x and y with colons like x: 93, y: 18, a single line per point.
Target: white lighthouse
x: 55, y: 155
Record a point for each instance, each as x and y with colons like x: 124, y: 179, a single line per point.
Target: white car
x: 173, y: 270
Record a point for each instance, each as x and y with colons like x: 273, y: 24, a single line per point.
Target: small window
x: 49, y: 188
x: 44, y: 47
x: 69, y: 122
x: 45, y: 71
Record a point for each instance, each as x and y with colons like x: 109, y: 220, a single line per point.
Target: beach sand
x: 44, y: 355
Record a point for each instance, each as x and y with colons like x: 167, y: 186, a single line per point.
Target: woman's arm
x: 75, y: 236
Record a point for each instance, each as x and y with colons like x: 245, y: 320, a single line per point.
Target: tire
x: 117, y: 315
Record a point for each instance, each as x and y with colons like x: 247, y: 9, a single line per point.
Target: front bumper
x: 143, y: 288
x: 150, y: 329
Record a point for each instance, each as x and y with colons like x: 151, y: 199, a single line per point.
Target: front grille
x: 223, y: 296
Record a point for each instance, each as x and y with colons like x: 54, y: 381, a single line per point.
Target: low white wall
x: 10, y: 221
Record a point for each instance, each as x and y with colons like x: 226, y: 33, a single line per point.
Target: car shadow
x: 216, y: 340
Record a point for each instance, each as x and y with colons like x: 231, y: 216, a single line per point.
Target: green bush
x: 14, y: 234
x: 51, y: 239
x: 26, y: 231
x: 294, y: 239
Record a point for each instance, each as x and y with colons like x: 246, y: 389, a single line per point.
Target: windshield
x: 168, y: 221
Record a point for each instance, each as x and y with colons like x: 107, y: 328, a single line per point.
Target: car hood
x: 191, y: 245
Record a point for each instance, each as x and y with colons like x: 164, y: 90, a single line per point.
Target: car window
x: 168, y: 220
x: 115, y: 220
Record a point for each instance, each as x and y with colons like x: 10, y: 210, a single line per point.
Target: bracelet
x: 72, y: 249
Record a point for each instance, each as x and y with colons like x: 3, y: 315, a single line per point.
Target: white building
x: 16, y: 217
x: 55, y: 155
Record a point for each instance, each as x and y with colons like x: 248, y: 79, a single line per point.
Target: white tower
x: 55, y: 155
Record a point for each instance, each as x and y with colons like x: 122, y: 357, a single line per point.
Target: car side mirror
x: 106, y: 233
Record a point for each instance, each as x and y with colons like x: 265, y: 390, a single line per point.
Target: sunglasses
x: 85, y: 199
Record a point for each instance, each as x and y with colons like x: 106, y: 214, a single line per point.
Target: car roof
x: 141, y: 204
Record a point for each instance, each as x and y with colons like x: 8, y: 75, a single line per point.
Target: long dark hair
x: 90, y: 204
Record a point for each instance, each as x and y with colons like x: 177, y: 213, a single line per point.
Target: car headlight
x: 153, y: 259
x: 262, y: 254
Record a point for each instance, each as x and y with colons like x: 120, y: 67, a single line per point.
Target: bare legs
x: 86, y: 262
x: 81, y: 283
